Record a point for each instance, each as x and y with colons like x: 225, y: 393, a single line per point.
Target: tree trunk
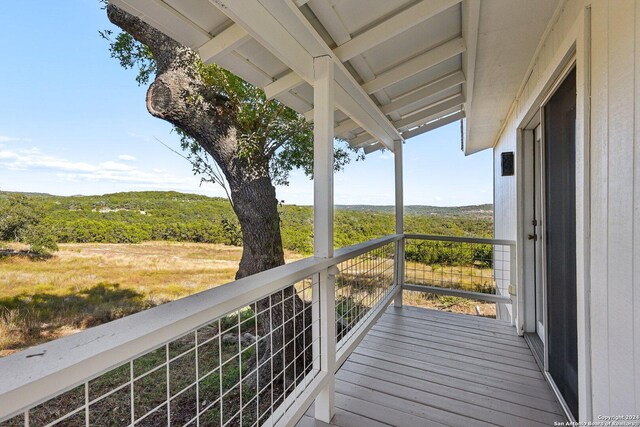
x: 282, y: 316
x: 179, y: 96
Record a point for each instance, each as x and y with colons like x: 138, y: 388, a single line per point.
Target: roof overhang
x: 402, y: 68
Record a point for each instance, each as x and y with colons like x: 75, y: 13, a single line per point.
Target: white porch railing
x: 467, y: 267
x: 204, y: 359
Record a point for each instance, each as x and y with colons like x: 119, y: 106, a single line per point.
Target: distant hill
x: 476, y: 211
x: 131, y: 217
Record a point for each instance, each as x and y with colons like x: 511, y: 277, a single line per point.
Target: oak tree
x: 236, y: 137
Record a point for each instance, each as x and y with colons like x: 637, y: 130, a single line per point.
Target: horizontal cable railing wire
x: 232, y: 371
x: 461, y: 266
x: 242, y: 354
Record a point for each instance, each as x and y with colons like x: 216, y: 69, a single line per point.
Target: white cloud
x: 5, y: 138
x: 126, y: 157
x: 33, y: 158
x: 109, y: 171
x: 115, y: 166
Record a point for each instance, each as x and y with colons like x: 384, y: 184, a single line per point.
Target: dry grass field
x: 84, y: 285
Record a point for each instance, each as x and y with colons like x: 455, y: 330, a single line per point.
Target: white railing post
x: 399, y: 256
x: 513, y: 285
x: 323, y: 226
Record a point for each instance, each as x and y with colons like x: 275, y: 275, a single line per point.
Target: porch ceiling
x: 402, y: 67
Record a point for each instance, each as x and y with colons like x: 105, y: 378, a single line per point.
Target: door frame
x: 528, y: 139
x: 533, y: 208
x: 573, y: 50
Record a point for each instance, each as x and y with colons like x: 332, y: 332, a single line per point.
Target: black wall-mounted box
x: 507, y: 164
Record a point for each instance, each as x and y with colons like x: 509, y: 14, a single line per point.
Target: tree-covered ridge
x: 135, y: 217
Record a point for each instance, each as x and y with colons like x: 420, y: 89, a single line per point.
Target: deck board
x: 420, y: 367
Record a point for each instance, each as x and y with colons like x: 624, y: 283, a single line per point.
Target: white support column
x: 399, y: 270
x: 323, y: 225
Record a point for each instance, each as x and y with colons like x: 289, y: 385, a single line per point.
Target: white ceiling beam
x: 308, y: 115
x: 430, y: 113
x: 381, y: 32
x: 407, y: 69
x: 288, y: 37
x: 181, y: 17
x: 156, y: 12
x: 284, y: 84
x: 330, y: 20
x: 434, y: 125
x: 225, y: 42
x: 291, y: 79
x: 433, y: 117
x: 430, y: 89
x: 392, y: 27
x: 361, y: 140
x: 345, y: 126
x: 374, y: 147
x: 412, y: 67
x: 348, y: 104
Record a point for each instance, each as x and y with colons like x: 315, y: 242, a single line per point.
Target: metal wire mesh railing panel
x: 363, y: 282
x: 476, y: 267
x: 241, y: 369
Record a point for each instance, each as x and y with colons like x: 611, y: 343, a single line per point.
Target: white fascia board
x: 412, y: 67
x: 470, y: 25
x: 392, y: 27
x: 432, y: 88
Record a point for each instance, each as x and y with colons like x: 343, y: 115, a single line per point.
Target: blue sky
x: 72, y: 121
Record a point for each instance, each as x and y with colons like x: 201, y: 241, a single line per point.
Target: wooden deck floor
x: 420, y: 367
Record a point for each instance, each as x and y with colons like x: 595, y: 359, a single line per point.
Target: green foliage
x: 40, y: 239
x: 143, y: 216
x: 232, y: 231
x: 449, y: 253
x: 19, y: 213
x: 21, y: 220
x: 131, y: 54
x: 273, y: 138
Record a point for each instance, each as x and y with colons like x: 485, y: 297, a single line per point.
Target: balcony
x: 420, y: 367
x: 288, y: 345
